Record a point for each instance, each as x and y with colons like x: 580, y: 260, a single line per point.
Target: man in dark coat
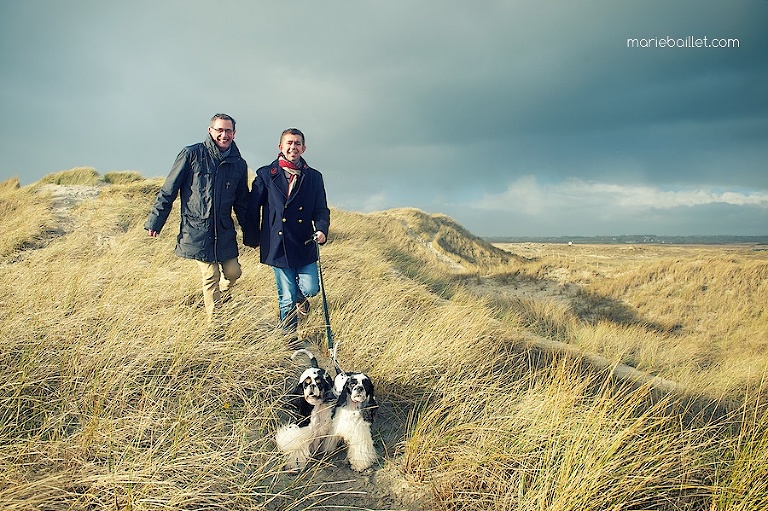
x: 212, y: 179
x: 287, y: 207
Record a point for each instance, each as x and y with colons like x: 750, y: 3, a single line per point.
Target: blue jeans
x: 293, y: 285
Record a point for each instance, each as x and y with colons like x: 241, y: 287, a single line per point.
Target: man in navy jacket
x: 287, y: 207
x: 212, y: 180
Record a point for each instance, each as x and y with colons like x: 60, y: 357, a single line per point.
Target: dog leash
x: 328, y: 332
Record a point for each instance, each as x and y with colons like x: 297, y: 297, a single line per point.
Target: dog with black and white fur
x: 314, y: 401
x: 353, y: 415
x: 331, y: 413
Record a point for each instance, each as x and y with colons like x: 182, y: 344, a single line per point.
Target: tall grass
x: 558, y: 440
x: 742, y: 481
x: 76, y: 176
x: 24, y: 218
x: 114, y: 394
x: 122, y: 177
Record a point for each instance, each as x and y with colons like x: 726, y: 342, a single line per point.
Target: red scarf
x: 287, y: 164
x: 291, y: 170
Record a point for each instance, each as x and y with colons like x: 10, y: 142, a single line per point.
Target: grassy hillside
x: 114, y: 394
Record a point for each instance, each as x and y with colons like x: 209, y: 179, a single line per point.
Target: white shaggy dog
x: 314, y: 400
x: 353, y: 415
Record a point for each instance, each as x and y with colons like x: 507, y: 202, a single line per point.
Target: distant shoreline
x: 644, y: 239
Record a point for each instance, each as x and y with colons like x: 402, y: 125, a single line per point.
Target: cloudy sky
x: 516, y: 118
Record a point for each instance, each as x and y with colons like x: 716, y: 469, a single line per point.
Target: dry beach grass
x: 498, y: 370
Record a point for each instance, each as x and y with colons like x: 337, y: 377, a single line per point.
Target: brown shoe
x: 303, y: 307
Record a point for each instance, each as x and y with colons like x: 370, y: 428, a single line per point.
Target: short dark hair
x: 291, y: 131
x: 223, y: 117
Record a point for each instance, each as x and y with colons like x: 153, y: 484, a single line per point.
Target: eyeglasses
x: 223, y: 130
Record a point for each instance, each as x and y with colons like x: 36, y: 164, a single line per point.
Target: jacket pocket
x: 194, y: 231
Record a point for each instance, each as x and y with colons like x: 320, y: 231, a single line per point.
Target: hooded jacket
x: 210, y: 188
x: 282, y: 226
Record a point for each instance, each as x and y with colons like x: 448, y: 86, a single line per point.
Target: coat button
x: 279, y: 233
x: 284, y: 220
x: 301, y: 207
x: 300, y: 220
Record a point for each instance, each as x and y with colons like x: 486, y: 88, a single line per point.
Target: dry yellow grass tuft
x: 122, y: 177
x: 114, y: 394
x: 26, y: 219
x: 74, y: 176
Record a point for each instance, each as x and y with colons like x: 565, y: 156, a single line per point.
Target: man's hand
x: 151, y: 233
x: 320, y: 237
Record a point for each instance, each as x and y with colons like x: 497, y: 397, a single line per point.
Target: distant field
x: 589, y: 255
x: 692, y: 313
x: 645, y: 239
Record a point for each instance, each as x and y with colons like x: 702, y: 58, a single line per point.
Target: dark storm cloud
x: 502, y: 114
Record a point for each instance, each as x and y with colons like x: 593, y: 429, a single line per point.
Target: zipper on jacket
x: 215, y: 218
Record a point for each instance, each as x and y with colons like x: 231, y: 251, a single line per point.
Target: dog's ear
x: 296, y: 400
x: 295, y: 396
x: 371, y: 406
x: 343, y: 395
x: 368, y: 386
x: 329, y: 394
x: 305, y: 412
x: 370, y: 409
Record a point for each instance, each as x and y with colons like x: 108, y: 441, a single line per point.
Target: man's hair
x: 223, y: 117
x: 293, y: 131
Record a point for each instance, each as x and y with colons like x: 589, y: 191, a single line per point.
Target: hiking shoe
x: 303, y: 306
